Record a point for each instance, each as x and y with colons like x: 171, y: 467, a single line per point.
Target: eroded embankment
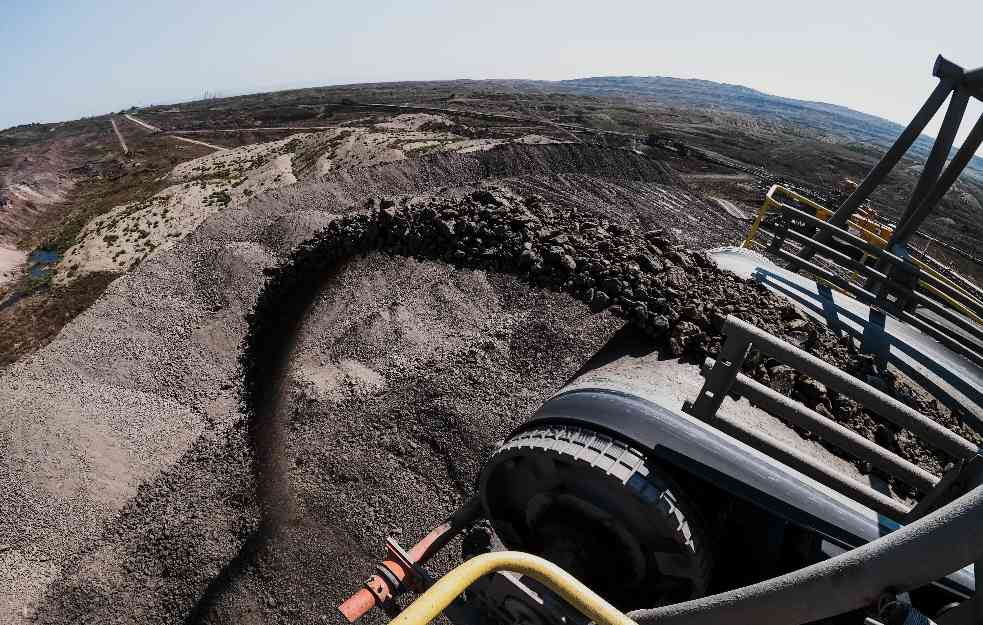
x: 443, y: 170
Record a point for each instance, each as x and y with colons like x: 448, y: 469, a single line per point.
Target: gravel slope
x: 127, y: 489
x: 125, y: 478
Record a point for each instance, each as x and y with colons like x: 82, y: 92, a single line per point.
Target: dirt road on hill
x: 153, y: 128
x: 254, y: 129
x: 119, y: 136
x: 731, y: 208
x: 138, y: 122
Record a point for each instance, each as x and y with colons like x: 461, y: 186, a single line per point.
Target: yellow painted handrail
x: 943, y: 279
x: 952, y: 302
x: 873, y: 232
x: 431, y: 603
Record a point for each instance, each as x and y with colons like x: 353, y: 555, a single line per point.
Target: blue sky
x: 64, y: 60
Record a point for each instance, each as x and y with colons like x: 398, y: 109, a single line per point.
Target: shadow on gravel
x: 272, y: 345
x: 628, y: 341
x: 270, y: 353
x: 244, y: 560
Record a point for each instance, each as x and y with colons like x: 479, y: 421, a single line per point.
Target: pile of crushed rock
x: 675, y: 295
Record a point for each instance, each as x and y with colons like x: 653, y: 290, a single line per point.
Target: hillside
x: 406, y: 271
x: 836, y: 122
x: 72, y: 198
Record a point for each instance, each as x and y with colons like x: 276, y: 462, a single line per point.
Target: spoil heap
x: 675, y: 295
x: 403, y: 377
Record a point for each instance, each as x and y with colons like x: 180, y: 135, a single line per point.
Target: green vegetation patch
x: 220, y: 198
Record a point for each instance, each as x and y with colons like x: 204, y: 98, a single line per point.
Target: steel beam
x: 974, y: 77
x: 871, y: 250
x: 969, y: 353
x: 908, y: 558
x: 720, y: 379
x: 944, y: 68
x: 886, y: 406
x: 870, y: 299
x: 968, y: 150
x: 940, y: 150
x: 896, y: 151
x: 949, y: 75
x: 822, y: 473
x: 875, y: 276
x: 832, y: 432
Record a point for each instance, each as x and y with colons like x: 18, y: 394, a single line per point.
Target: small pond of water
x: 40, y: 262
x: 43, y: 256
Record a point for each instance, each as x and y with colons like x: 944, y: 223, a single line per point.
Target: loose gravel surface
x: 11, y: 261
x: 135, y: 486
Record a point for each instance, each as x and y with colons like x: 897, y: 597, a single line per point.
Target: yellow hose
x: 431, y: 603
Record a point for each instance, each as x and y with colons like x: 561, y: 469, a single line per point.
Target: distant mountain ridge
x: 824, y: 118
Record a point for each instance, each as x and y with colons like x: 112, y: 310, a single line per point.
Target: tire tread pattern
x: 632, y: 469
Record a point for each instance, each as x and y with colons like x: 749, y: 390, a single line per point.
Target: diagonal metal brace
x: 720, y: 379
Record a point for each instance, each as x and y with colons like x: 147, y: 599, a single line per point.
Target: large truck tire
x: 600, y: 509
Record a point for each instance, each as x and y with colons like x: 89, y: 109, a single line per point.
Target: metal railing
x: 865, y: 227
x: 724, y: 376
x: 873, y: 231
x: 893, y: 291
x: 906, y: 290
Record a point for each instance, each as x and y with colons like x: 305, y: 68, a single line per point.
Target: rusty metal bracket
x: 401, y: 569
x: 416, y: 579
